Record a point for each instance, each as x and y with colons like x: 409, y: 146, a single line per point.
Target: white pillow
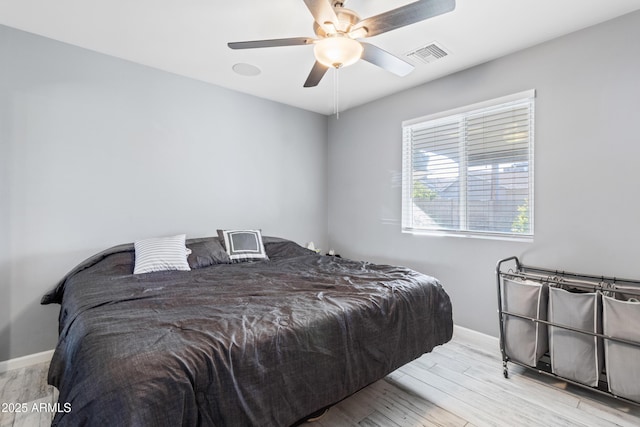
x: 160, y: 254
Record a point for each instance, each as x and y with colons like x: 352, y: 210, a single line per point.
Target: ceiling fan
x: 339, y: 31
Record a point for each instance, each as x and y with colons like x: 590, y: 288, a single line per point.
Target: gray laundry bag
x: 525, y: 341
x: 574, y: 355
x: 621, y: 320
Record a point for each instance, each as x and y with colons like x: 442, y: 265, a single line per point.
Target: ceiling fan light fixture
x: 337, y: 51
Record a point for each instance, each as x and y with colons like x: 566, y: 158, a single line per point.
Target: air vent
x: 427, y: 54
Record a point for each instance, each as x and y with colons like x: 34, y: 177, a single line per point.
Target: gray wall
x: 96, y: 151
x: 587, y: 213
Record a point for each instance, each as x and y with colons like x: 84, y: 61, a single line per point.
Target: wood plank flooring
x: 458, y: 384
x: 26, y: 387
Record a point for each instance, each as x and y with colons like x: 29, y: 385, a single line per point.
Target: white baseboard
x: 24, y: 361
x: 484, y: 341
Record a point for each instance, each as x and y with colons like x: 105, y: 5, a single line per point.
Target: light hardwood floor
x: 26, y: 387
x: 458, y: 384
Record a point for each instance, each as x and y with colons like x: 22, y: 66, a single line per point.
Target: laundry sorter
x: 581, y: 328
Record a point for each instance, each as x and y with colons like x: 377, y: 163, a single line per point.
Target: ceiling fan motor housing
x: 347, y: 18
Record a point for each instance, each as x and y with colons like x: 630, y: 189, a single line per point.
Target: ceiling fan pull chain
x: 336, y: 93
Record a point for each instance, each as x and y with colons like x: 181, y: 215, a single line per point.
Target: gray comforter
x: 261, y: 343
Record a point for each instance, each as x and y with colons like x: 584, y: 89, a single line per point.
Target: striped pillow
x: 160, y: 254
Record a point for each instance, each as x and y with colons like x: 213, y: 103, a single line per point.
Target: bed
x: 262, y: 343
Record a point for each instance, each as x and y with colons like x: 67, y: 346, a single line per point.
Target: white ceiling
x: 189, y: 38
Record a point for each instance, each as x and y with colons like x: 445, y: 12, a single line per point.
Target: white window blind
x: 470, y: 170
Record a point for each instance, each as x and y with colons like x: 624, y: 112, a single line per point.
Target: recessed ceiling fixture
x: 246, y: 69
x: 339, y: 29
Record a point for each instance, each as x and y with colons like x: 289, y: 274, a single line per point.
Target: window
x: 469, y: 171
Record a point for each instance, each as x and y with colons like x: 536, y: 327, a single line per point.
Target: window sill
x: 471, y: 235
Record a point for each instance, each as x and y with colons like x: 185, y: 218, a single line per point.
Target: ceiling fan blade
x: 317, y: 73
x: 294, y: 41
x: 384, y: 59
x: 405, y: 15
x: 322, y: 11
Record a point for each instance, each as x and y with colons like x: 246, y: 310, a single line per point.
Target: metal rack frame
x: 575, y: 280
